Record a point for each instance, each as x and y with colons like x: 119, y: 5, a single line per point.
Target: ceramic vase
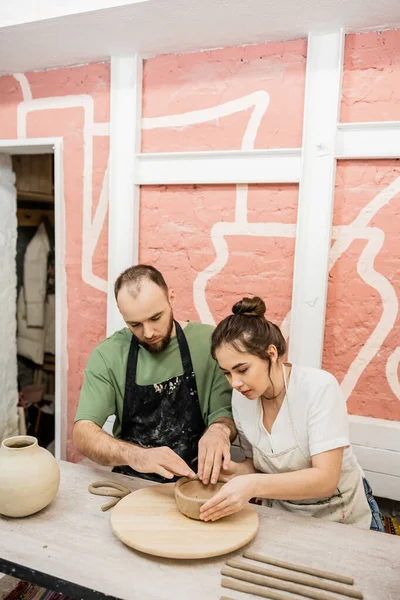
x: 29, y: 476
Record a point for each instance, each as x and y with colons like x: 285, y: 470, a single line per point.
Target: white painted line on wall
x: 24, y: 84
x: 218, y: 234
x: 90, y: 228
x: 260, y: 101
x: 344, y: 236
x: 392, y: 370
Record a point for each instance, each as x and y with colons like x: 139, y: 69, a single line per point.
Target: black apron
x: 162, y: 414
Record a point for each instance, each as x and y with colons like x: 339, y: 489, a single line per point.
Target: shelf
x: 35, y: 196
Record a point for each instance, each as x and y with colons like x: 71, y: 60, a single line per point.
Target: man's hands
x: 163, y: 461
x: 214, y: 452
x: 214, y: 456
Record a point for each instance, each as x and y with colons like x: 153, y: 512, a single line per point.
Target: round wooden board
x: 148, y: 520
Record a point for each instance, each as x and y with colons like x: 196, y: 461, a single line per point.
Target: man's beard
x: 162, y: 344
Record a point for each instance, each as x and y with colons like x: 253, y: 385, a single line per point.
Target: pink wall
x: 72, y: 104
x: 363, y: 326
x: 177, y: 222
x: 234, y: 98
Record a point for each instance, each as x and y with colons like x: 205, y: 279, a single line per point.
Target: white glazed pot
x: 29, y: 476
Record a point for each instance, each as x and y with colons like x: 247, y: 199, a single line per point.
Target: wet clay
x: 191, y: 494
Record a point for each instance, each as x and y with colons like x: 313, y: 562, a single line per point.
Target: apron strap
x: 130, y: 383
x: 184, y: 350
x: 131, y: 367
x: 133, y: 358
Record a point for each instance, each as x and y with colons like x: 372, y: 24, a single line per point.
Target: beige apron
x: 347, y: 505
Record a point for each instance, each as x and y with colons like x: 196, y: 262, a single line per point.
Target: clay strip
x: 293, y: 577
x: 119, y: 491
x: 301, y: 569
x: 284, y: 586
x: 247, y: 588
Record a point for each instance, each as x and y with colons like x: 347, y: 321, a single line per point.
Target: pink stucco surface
x: 176, y: 222
x: 80, y: 86
x: 202, y: 80
x: 364, y: 288
x: 176, y: 226
x: 183, y: 217
x: 362, y: 310
x: 371, y: 78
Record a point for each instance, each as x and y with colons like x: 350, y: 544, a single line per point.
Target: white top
x: 319, y: 415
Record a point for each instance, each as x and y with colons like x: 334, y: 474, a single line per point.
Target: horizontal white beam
x: 378, y: 461
x: 376, y: 443
x: 276, y: 165
x: 383, y: 485
x: 29, y: 145
x: 375, y: 433
x: 368, y: 140
x: 255, y: 166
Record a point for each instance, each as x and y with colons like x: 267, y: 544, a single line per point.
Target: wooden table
x: 69, y: 547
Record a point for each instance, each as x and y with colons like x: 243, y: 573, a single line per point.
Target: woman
x: 293, y: 427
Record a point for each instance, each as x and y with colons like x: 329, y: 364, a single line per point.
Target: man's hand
x: 214, y: 452
x: 163, y: 461
x: 226, y: 474
x: 231, y: 498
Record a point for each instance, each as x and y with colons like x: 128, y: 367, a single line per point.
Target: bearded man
x: 171, y: 401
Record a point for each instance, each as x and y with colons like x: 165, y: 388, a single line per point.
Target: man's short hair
x: 133, y: 277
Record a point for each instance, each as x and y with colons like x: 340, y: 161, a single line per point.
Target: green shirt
x: 102, y: 393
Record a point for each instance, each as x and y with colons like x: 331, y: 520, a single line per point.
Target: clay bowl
x: 191, y: 494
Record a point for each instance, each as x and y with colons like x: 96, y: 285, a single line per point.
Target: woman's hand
x: 231, y: 498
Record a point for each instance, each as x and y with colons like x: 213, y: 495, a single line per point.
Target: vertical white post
x: 125, y: 143
x: 61, y: 373
x: 8, y: 301
x: 316, y: 194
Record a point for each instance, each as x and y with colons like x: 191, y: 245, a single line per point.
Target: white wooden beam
x: 368, y: 140
x: 383, y: 485
x: 375, y: 433
x: 314, y: 222
x: 61, y: 330
x: 255, y: 166
x: 125, y: 144
x: 378, y: 460
x: 376, y: 444
x: 30, y: 146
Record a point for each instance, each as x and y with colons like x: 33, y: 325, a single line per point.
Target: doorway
x: 41, y: 308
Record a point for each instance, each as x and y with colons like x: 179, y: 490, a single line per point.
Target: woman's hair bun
x: 250, y: 307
